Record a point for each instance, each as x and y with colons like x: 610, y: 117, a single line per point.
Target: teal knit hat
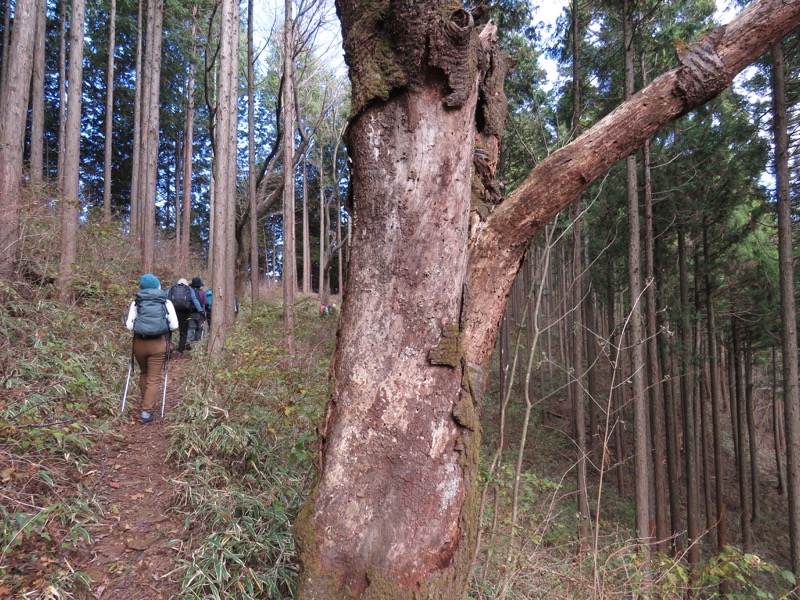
x: 149, y: 282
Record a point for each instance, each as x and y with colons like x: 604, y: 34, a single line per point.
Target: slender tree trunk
x: 641, y: 460
x: 108, y: 141
x: 148, y: 162
x: 791, y: 392
x: 188, y: 150
x: 255, y: 269
x: 306, y: 233
x: 687, y: 403
x: 136, y: 207
x: 289, y: 266
x: 323, y: 228
x: 777, y: 426
x: 71, y: 195
x: 14, y: 102
x: 37, y: 95
x: 578, y: 384
x: 62, y: 90
x: 751, y: 431
x: 742, y: 463
x: 660, y: 419
x: 590, y: 341
x: 716, y: 409
x: 178, y: 195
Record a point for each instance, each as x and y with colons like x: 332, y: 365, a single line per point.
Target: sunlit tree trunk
x: 255, y: 269
x: 148, y: 156
x: 224, y: 173
x: 289, y: 266
x: 70, y: 201
x: 14, y: 98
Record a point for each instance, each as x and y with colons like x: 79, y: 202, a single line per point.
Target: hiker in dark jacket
x: 185, y: 301
x: 196, y: 319
x: 153, y: 314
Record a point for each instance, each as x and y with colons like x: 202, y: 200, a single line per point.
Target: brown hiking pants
x: 150, y: 355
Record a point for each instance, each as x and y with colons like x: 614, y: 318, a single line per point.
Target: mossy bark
x: 393, y: 512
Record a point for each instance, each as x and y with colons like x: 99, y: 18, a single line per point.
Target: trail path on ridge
x: 136, y: 542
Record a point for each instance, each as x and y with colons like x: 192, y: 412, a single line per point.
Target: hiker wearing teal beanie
x: 152, y: 318
x: 148, y: 281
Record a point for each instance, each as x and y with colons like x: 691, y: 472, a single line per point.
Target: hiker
x: 185, y: 301
x: 196, y: 319
x: 209, y: 299
x: 152, y: 319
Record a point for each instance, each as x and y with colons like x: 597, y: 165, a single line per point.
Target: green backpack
x: 151, y: 318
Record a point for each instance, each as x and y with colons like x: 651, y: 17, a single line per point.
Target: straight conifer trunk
x: 109, y: 125
x: 791, y: 391
x: 70, y: 201
x: 37, y: 95
x: 14, y: 102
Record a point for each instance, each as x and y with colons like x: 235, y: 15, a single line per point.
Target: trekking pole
x: 127, y: 382
x: 166, y: 376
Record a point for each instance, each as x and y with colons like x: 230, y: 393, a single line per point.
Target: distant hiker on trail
x: 196, y: 319
x: 185, y: 301
x: 210, y: 298
x: 152, y: 318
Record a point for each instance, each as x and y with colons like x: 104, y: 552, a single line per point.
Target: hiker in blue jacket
x: 152, y: 318
x: 185, y: 301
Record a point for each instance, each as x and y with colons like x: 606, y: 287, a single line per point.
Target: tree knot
x: 702, y: 74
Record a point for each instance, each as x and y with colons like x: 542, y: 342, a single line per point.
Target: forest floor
x: 136, y: 541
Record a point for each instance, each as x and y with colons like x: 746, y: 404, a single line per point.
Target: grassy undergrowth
x: 244, y: 443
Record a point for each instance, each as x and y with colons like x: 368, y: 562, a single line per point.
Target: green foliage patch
x: 244, y: 444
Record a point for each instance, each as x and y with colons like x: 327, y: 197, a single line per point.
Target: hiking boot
x: 188, y: 347
x: 178, y: 354
x: 147, y: 417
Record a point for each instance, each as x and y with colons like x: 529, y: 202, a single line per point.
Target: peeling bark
x: 393, y: 511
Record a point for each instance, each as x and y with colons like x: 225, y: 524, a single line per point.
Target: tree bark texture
x: 37, y: 95
x: 393, y: 511
x: 70, y: 201
x: 109, y: 125
x: 14, y: 100
x: 224, y: 170
x: 791, y: 391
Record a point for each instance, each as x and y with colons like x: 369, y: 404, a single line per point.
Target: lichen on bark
x: 448, y: 351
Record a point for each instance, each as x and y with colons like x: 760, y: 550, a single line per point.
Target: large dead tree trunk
x: 393, y: 511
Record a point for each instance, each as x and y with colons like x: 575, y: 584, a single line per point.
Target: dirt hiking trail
x: 136, y: 541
